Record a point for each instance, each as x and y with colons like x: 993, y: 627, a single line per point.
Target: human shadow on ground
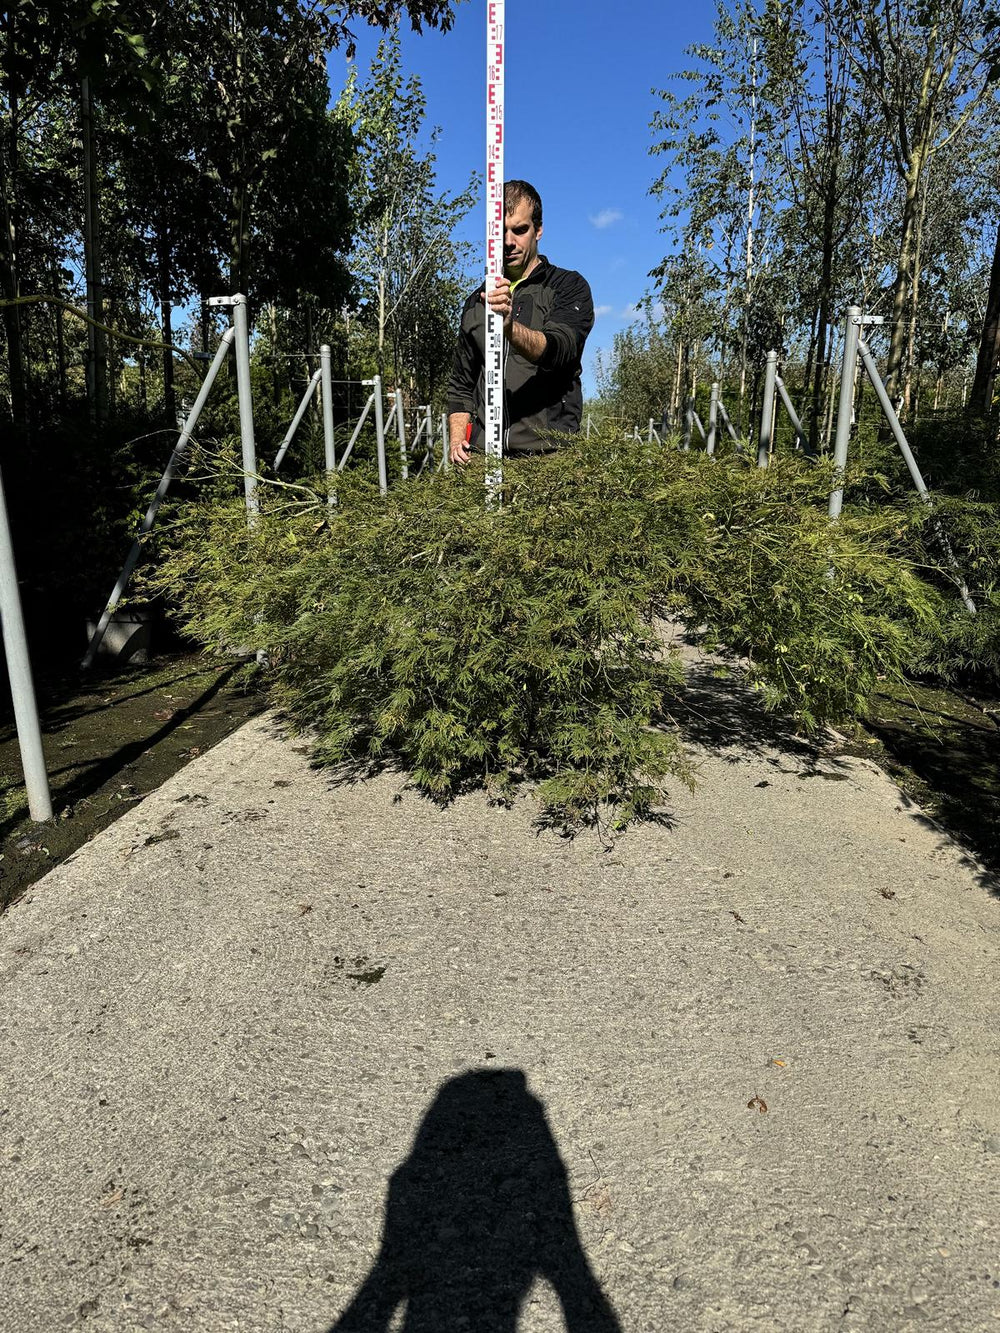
x: 478, y: 1211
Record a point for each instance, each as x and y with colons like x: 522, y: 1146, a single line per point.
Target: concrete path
x: 740, y: 1073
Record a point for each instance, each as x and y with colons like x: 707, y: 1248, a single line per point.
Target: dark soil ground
x: 943, y: 749
x: 110, y: 738
x: 115, y: 736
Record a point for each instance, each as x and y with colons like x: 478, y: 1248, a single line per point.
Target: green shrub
x: 486, y: 644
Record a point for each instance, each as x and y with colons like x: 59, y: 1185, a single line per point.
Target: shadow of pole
x: 478, y: 1211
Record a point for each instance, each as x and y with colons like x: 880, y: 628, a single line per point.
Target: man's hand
x: 458, y: 449
x: 501, y: 301
x: 530, y: 343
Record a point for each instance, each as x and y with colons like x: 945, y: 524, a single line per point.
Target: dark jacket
x: 539, y: 398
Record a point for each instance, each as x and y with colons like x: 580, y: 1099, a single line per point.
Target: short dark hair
x: 514, y: 192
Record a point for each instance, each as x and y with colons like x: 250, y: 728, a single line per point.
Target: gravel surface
x: 279, y: 1054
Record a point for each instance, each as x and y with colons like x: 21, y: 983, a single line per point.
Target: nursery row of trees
x: 820, y: 153
x: 154, y: 155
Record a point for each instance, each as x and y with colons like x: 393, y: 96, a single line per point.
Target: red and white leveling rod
x: 494, y: 237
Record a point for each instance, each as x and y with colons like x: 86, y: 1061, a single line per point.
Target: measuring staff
x: 547, y: 313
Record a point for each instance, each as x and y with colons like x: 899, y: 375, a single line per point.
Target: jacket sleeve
x: 567, y: 326
x: 465, y: 368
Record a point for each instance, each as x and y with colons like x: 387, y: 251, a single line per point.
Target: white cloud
x: 630, y: 310
x: 607, y: 217
x: 602, y: 310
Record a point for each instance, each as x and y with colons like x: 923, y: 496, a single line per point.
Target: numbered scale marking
x: 494, y: 236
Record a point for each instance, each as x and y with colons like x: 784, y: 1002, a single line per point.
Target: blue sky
x: 579, y: 80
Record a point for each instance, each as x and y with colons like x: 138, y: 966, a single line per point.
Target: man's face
x: 520, y: 241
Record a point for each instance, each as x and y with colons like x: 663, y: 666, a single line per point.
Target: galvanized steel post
x: 713, y: 418
x: 766, y: 439
x: 299, y: 414
x: 401, y: 431
x: 180, y: 448
x: 845, y: 406
x: 793, y: 416
x: 29, y: 732
x: 911, y: 463
x: 383, y: 473
x: 326, y: 389
x: 241, y: 321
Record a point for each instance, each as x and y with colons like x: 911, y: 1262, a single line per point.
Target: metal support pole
x: 383, y: 473
x: 713, y: 418
x: 845, y: 407
x: 326, y: 373
x: 697, y: 424
x: 904, y: 448
x: 649, y: 438
x: 766, y: 440
x: 426, y: 430
x: 180, y: 449
x: 730, y: 427
x: 588, y: 425
x: 299, y: 414
x: 401, y: 431
x: 686, y: 437
x: 357, y: 429
x: 22, y: 689
x: 241, y: 321
x: 793, y: 416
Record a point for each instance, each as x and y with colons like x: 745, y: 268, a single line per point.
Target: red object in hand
x: 468, y: 433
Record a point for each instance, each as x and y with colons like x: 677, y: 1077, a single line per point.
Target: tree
x: 988, y: 358
x: 830, y: 164
x: 930, y: 66
x: 408, y: 267
x: 719, y: 184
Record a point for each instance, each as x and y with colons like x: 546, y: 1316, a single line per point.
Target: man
x: 547, y: 313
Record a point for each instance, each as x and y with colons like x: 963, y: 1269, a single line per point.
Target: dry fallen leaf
x: 757, y: 1103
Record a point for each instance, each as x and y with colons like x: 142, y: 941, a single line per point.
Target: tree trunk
x: 988, y: 359
x: 112, y: 364
x: 239, y: 240
x: 10, y: 283
x: 902, y: 288
x: 810, y: 361
x: 675, y: 394
x: 166, y: 322
x: 97, y: 347
x: 911, y: 332
x: 382, y: 301
x: 60, y: 338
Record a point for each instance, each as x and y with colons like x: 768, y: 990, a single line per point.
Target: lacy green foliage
x: 821, y: 611
x: 480, y: 644
x: 462, y: 642
x: 960, y: 647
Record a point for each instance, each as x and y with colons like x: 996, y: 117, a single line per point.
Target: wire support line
x: 105, y: 328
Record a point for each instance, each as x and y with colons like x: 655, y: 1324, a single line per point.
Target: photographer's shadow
x: 479, y: 1209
